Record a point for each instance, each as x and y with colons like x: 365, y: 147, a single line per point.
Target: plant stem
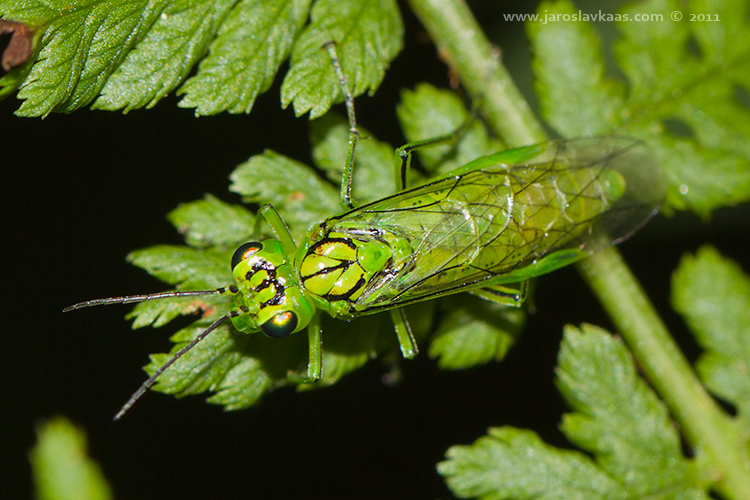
x: 466, y: 50
x: 706, y: 427
x: 462, y: 44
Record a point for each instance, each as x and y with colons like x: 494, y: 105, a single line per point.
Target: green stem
x: 705, y: 425
x: 467, y: 51
x: 710, y: 431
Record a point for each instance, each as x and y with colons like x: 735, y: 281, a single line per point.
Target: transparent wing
x: 482, y: 223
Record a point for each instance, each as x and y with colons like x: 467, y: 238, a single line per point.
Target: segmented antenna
x: 129, y: 299
x: 152, y: 379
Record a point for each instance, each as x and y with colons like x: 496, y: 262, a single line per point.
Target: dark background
x: 81, y: 191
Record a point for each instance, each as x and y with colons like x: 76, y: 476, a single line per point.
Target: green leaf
x: 163, y: 58
x: 211, y: 222
x: 574, y: 94
x: 685, y: 104
x: 188, y: 269
x: 618, y: 420
x: 158, y: 313
x: 515, y: 463
x: 474, y: 332
x: 130, y: 54
x: 13, y: 79
x: 713, y: 294
x: 368, y: 34
x: 61, y: 466
x: 241, y: 367
x: 83, y: 44
x: 203, y: 367
x: 373, y: 162
x: 349, y: 346
x: 300, y: 196
x: 427, y: 113
x: 251, y: 46
x: 242, y: 385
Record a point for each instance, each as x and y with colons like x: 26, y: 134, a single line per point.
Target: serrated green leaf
x: 131, y: 54
x: 295, y: 190
x: 204, y: 366
x: 618, y: 418
x: 427, y: 113
x: 13, y: 79
x: 474, y: 332
x: 158, y: 313
x: 713, y: 294
x: 722, y: 40
x: 368, y: 34
x: 568, y: 62
x: 253, y: 42
x: 84, y: 42
x: 211, y: 222
x: 672, y: 83
x: 668, y: 84
x: 187, y: 268
x: 690, y: 187
x: 240, y: 367
x: 61, y: 466
x: 515, y: 463
x: 373, y: 162
x: 242, y: 385
x: 654, y: 55
x: 349, y: 346
x: 163, y: 58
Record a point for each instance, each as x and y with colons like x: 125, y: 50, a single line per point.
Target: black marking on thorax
x: 343, y: 265
x: 346, y: 296
x: 325, y: 240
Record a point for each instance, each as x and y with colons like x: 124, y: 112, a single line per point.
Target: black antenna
x: 152, y: 379
x: 129, y: 299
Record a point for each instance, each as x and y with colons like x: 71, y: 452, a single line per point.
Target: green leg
x: 406, y: 340
x: 279, y: 228
x: 402, y: 161
x: 257, y: 231
x: 315, y: 350
x: 346, y: 182
x: 314, y: 355
x: 402, y: 158
x: 503, y: 295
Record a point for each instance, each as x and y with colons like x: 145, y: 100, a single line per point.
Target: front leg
x: 406, y: 340
x: 402, y: 156
x: 314, y: 354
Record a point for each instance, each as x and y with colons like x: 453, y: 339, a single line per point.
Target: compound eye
x: 245, y: 251
x: 281, y: 325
